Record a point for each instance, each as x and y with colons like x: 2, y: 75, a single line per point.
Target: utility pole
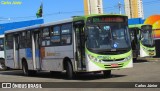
x: 120, y: 6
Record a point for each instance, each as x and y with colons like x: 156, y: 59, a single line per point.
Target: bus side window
x: 28, y: 38
x: 22, y: 40
x: 46, y: 37
x: 55, y: 35
x: 66, y: 34
x: 9, y: 41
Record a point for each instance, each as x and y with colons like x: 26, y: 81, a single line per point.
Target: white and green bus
x: 92, y: 43
x: 142, y: 40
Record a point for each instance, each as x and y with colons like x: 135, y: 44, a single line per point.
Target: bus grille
x: 151, y: 50
x: 114, y: 60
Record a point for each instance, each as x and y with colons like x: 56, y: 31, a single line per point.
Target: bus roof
x: 39, y: 25
x: 23, y: 28
x: 59, y: 22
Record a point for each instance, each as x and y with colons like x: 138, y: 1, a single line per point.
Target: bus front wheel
x: 69, y: 70
x: 107, y: 73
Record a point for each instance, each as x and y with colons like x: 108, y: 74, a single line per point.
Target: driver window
x: 104, y: 35
x: 93, y: 36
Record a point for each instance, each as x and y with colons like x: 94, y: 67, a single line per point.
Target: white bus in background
x: 2, y: 52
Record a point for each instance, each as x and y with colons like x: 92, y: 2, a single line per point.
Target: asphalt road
x: 141, y: 72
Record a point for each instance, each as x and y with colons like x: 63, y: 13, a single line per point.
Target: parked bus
x: 2, y: 61
x: 142, y: 40
x: 92, y: 43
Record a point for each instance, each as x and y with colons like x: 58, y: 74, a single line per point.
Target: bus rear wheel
x: 27, y: 72
x: 69, y: 70
x: 107, y: 73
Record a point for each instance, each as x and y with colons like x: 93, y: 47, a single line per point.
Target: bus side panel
x: 52, y: 64
x: 1, y: 54
x: 53, y: 59
x: 48, y: 60
x: 29, y: 58
x: 65, y: 51
x: 24, y: 53
x: 10, y: 59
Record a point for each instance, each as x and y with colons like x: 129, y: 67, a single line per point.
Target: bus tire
x: 69, y: 70
x: 107, y: 73
x: 25, y: 68
x: 27, y: 72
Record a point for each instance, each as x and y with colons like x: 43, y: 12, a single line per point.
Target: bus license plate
x: 114, y: 65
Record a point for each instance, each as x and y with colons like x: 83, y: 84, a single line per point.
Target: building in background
x: 93, y: 7
x: 134, y: 21
x: 134, y: 8
x: 10, y: 26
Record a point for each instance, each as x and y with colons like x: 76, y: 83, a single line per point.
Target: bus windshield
x: 108, y: 37
x: 147, y: 38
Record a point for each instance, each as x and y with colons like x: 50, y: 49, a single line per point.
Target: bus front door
x: 134, y: 41
x: 80, y: 47
x: 36, y: 50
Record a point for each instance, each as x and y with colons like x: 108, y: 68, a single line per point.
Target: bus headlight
x: 93, y: 58
x: 128, y: 58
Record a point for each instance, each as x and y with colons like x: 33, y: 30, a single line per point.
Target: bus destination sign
x: 107, y: 19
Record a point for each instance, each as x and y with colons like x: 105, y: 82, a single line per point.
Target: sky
x: 54, y: 10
